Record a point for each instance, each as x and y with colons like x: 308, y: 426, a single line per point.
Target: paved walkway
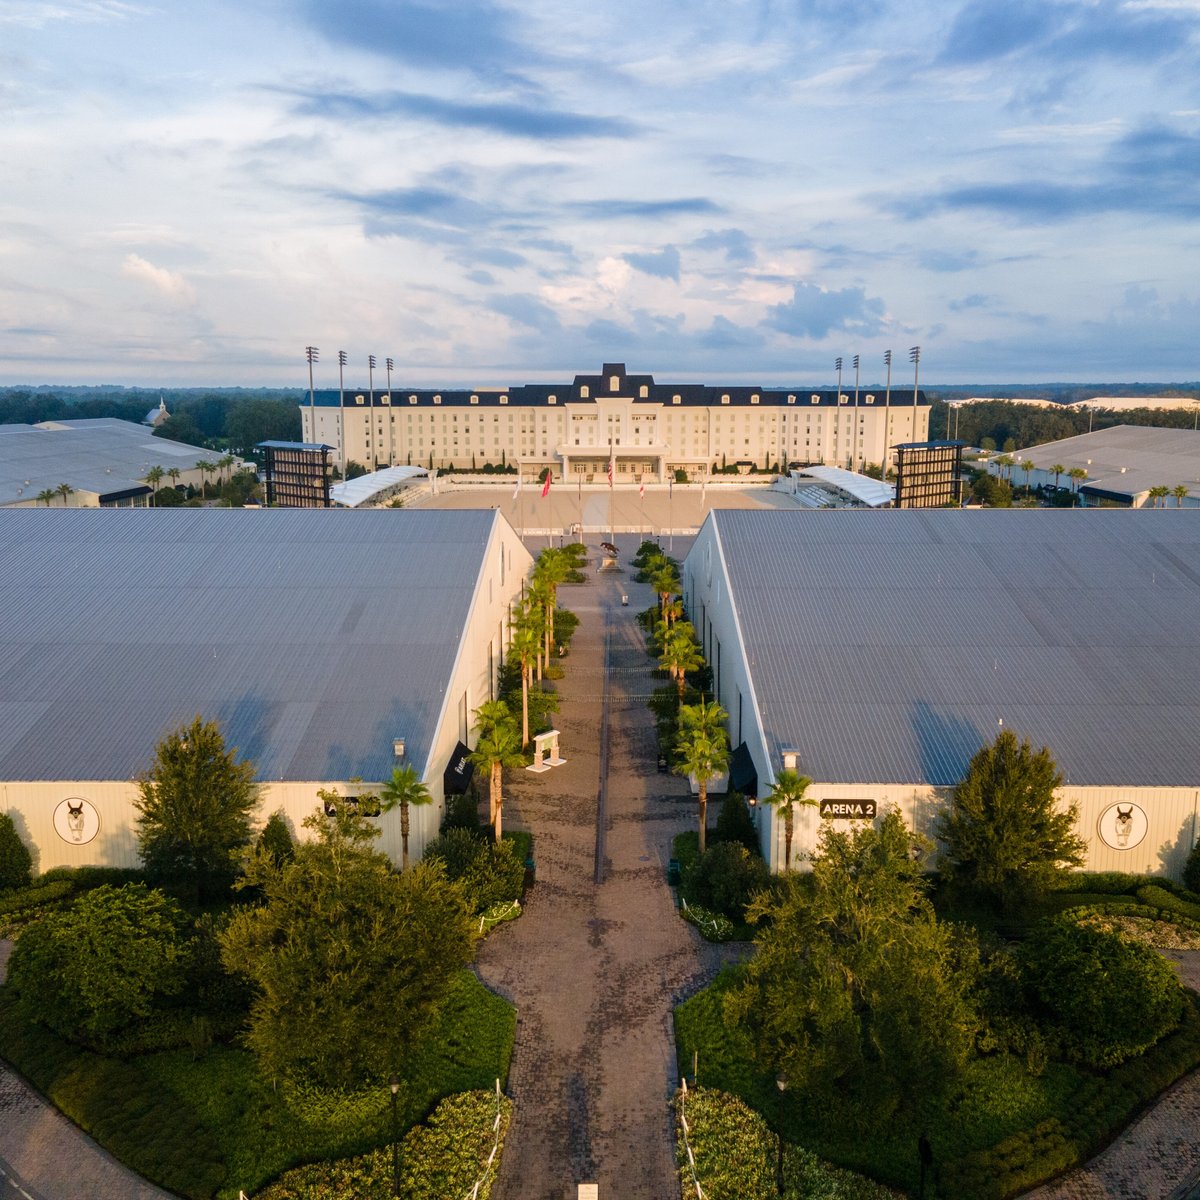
x: 595, y: 969
x: 39, y: 1144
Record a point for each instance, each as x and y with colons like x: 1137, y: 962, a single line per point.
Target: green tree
x: 46, y: 495
x: 405, y: 789
x: 1027, y: 465
x: 1179, y: 491
x: 194, y: 809
x: 1160, y: 492
x: 524, y: 646
x: 276, y: 839
x: 857, y: 994
x: 65, y: 490
x: 1058, y: 470
x: 702, y: 751
x: 173, y: 473
x: 1077, y: 475
x: 1006, y: 838
x: 489, y: 872
x: 154, y: 477
x: 553, y: 567
x: 102, y: 965
x: 16, y: 863
x: 680, y: 653
x: 349, y: 960
x: 787, y: 791
x: 498, y: 746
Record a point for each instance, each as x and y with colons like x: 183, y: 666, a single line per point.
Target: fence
x: 683, y: 1125
x: 473, y: 1194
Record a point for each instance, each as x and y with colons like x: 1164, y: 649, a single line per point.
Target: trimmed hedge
x: 440, y: 1159
x: 31, y: 897
x: 808, y: 1177
x: 119, y: 1105
x: 1158, y: 897
x: 733, y: 1149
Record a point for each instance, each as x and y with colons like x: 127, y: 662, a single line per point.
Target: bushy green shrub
x: 462, y: 812
x: 32, y: 897
x: 110, y: 960
x: 489, y: 873
x: 1158, y: 896
x: 83, y: 879
x: 734, y: 823
x: 1115, y: 883
x: 1191, y: 870
x: 714, y: 927
x: 443, y: 1158
x: 733, y: 1148
x: 1100, y: 998
x: 276, y: 839
x: 808, y: 1177
x: 725, y: 879
x: 15, y: 860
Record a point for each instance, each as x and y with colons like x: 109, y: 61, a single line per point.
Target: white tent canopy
x: 375, y: 486
x: 859, y: 489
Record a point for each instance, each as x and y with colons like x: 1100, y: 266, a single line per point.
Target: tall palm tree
x: 552, y: 568
x: 1058, y: 470
x: 703, y: 751
x: 64, y: 490
x: 787, y: 791
x: 154, y: 478
x: 403, y: 790
x: 46, y: 495
x: 173, y: 474
x: 1077, y: 475
x: 224, y: 463
x: 1179, y: 491
x: 1158, y: 493
x: 666, y: 582
x: 680, y: 654
x: 1027, y: 466
x: 203, y: 466
x: 497, y: 748
x: 525, y: 644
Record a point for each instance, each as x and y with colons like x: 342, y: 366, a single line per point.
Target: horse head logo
x: 1124, y: 825
x: 75, y: 820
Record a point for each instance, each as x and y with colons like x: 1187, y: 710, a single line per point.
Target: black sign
x: 848, y: 810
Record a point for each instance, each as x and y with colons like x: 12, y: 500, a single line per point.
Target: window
x: 643, y: 391
x: 583, y: 392
x: 360, y: 399
x: 676, y: 399
x: 725, y: 398
x: 385, y: 399
x: 412, y: 399
x: 614, y: 383
x: 791, y: 399
x: 754, y: 398
x: 437, y: 399
x: 551, y: 399
x: 503, y: 399
x: 474, y: 399
x: 815, y: 398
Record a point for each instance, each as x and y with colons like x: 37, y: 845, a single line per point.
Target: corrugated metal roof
x: 314, y: 636
x: 101, y: 455
x: 888, y: 646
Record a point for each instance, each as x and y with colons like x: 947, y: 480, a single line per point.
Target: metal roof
x: 314, y: 636
x: 1125, y: 459
x: 887, y: 646
x: 365, y: 488
x: 101, y: 455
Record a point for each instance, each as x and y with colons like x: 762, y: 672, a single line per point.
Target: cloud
x: 470, y: 35
x: 723, y: 334
x: 813, y: 312
x: 168, y: 284
x: 987, y: 29
x: 515, y: 120
x: 35, y: 14
x: 647, y: 210
x: 938, y: 259
x: 426, y: 206
x: 735, y: 243
x: 526, y: 310
x: 975, y: 300
x: 663, y: 265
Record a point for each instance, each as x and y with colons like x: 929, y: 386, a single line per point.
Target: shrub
x: 107, y: 962
x: 734, y: 823
x: 1159, y: 897
x: 16, y: 862
x: 32, y: 897
x: 807, y: 1177
x: 1101, y: 998
x: 714, y: 927
x: 734, y: 1151
x: 1191, y: 870
x: 462, y: 812
x: 276, y: 839
x: 489, y: 873
x: 85, y: 878
x: 725, y: 879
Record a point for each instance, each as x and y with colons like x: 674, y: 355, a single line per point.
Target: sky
x: 492, y: 193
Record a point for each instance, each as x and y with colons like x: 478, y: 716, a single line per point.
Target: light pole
x: 394, y: 1084
x: 391, y: 418
x: 837, y: 401
x: 371, y: 415
x: 914, y: 357
x: 887, y: 413
x: 854, y: 443
x: 342, y: 410
x: 313, y: 355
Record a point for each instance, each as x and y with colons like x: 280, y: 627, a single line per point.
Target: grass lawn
x: 211, y: 1126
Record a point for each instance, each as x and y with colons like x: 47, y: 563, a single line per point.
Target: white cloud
x: 168, y: 284
x: 34, y: 14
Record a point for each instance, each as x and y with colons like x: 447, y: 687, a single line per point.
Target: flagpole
x: 579, y: 481
x: 671, y: 514
x: 612, y: 470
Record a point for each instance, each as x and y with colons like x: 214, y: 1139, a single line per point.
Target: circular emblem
x: 1122, y: 826
x: 76, y: 821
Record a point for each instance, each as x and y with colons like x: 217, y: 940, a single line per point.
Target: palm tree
x: 1179, y: 491
x: 1058, y: 470
x: 552, y: 568
x: 224, y: 463
x: 1077, y: 475
x: 64, y: 490
x: 154, y: 478
x: 788, y: 790
x: 499, y: 746
x: 1159, y: 493
x: 1006, y: 462
x: 665, y: 581
x: 206, y: 469
x: 174, y: 473
x: 46, y: 495
x: 525, y: 644
x: 403, y: 789
x: 703, y: 751
x: 680, y: 654
x: 1027, y: 466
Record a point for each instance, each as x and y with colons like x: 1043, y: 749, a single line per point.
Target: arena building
x: 877, y: 651
x: 330, y: 646
x: 648, y: 430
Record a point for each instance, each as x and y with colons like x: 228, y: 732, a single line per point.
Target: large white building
x: 319, y: 640
x: 876, y: 652
x: 649, y: 429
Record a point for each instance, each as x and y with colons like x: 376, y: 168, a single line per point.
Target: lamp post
x: 394, y: 1084
x: 837, y: 400
x: 854, y: 443
x: 391, y: 419
x: 342, y: 410
x: 313, y: 355
x: 371, y: 415
x: 887, y: 413
x: 914, y: 357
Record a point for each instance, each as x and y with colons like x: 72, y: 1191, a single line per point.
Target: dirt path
x: 594, y: 968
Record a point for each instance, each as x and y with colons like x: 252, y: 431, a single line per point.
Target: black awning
x: 743, y: 777
x: 457, y: 776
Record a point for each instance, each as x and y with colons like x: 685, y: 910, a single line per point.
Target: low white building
x: 876, y: 652
x: 320, y: 640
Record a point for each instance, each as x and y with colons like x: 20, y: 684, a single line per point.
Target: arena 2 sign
x: 848, y: 810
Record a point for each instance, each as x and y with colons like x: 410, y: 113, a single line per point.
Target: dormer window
x: 754, y: 398
x: 643, y: 392
x: 614, y: 383
x: 474, y: 399
x: 583, y: 392
x: 503, y: 399
x: 385, y: 399
x: 551, y: 399
x: 412, y: 399
x: 437, y: 399
x: 676, y: 399
x: 870, y: 398
x: 360, y: 399
x: 725, y: 398
x: 791, y: 399
x: 815, y: 398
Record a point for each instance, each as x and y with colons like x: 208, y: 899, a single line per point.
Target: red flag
x: 610, y: 470
x: 546, y: 485
x: 642, y: 491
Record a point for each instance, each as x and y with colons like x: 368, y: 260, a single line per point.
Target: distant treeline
x: 233, y: 419
x: 1002, y: 425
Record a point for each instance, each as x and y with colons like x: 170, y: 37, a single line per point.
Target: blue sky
x: 489, y: 193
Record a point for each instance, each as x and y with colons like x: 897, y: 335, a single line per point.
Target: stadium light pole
x: 887, y: 412
x: 914, y: 357
x: 854, y: 443
x: 837, y: 400
x: 313, y: 355
x: 371, y: 417
x: 391, y: 419
x: 342, y: 411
